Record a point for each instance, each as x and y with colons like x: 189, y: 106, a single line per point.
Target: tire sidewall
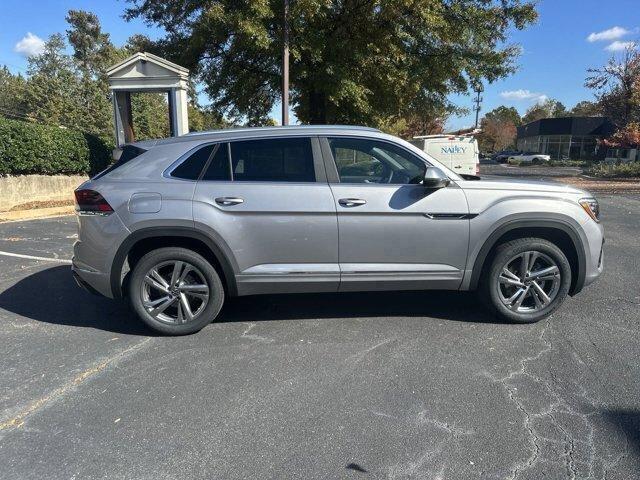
x: 504, y: 254
x: 216, y: 290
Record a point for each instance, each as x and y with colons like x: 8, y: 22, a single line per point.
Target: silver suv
x: 177, y: 224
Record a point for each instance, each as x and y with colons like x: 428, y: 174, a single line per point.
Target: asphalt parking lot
x: 391, y: 385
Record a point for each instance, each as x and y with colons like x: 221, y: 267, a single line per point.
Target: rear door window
x: 273, y: 160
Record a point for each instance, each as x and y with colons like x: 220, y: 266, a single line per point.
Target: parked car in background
x: 529, y: 157
x: 503, y: 156
x: 177, y: 225
x: 460, y: 153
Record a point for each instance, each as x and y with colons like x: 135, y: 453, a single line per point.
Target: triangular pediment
x: 146, y: 65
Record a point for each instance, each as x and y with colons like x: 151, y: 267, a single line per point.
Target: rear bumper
x: 91, y: 280
x: 81, y: 283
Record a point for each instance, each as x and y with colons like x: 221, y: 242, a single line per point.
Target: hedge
x: 29, y: 148
x: 619, y: 170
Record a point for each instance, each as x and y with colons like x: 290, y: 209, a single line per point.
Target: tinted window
x: 219, y: 167
x: 370, y: 161
x: 191, y: 168
x: 277, y: 160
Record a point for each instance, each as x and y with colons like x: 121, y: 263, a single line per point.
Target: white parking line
x: 31, y: 257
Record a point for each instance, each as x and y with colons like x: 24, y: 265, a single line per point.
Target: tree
x: 626, y: 137
x: 616, y: 85
x: 549, y: 108
x: 12, y: 94
x: 53, y: 91
x: 499, y: 129
x: 351, y: 61
x: 93, y: 52
x: 585, y: 108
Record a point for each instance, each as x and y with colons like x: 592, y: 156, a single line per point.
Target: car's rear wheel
x: 175, y: 291
x: 527, y: 280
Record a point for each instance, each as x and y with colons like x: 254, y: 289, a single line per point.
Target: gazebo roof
x: 145, y: 71
x: 148, y: 57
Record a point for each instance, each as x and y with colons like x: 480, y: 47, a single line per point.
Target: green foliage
x: 619, y: 170
x: 71, y: 90
x: 568, y: 163
x: 12, y: 93
x: 351, y: 62
x: 585, y: 108
x: 550, y: 108
x: 150, y: 115
x: 28, y: 148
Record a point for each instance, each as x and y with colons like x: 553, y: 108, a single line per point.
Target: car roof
x: 279, y: 131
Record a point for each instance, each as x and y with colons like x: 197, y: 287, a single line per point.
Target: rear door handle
x: 351, y: 202
x: 228, y: 201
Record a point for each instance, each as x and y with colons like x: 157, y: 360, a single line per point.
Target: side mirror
x: 435, y: 178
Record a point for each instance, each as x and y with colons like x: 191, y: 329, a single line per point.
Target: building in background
x: 566, y: 138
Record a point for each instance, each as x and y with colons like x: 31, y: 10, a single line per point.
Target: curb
x: 15, y: 216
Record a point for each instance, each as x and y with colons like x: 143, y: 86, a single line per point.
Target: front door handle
x: 228, y: 201
x: 351, y: 202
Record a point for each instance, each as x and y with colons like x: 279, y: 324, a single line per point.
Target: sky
x: 569, y: 37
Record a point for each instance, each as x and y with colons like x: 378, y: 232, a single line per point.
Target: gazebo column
x: 178, y: 114
x: 123, y: 117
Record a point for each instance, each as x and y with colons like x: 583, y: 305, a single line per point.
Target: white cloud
x: 612, y: 33
x: 30, y: 45
x: 618, y: 45
x: 522, y: 95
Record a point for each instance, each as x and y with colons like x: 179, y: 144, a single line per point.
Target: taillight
x: 477, y: 168
x: 90, y: 202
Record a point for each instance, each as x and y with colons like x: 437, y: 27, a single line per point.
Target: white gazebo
x: 144, y: 72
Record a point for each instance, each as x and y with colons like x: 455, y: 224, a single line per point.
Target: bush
x: 619, y: 170
x: 29, y: 148
x: 567, y: 163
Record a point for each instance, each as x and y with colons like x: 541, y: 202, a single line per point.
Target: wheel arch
x: 563, y: 234
x: 147, y: 239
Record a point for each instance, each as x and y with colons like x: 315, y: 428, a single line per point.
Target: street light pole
x: 478, y: 100
x: 285, y: 64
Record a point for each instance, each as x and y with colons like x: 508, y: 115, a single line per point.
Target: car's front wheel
x: 527, y: 280
x: 175, y: 291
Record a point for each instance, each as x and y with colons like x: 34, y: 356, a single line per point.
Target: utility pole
x: 477, y: 87
x: 285, y: 64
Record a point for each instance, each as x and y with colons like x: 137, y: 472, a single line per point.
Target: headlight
x: 592, y: 208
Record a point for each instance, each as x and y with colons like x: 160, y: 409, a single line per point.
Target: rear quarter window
x: 192, y: 166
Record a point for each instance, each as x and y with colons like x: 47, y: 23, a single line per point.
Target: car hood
x: 519, y: 185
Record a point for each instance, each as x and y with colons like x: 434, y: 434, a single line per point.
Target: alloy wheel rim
x: 174, y: 292
x: 529, y: 282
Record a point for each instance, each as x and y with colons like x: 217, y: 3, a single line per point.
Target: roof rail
x: 280, y: 127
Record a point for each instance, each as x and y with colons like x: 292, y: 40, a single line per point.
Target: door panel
x: 393, y: 232
x: 283, y: 235
x: 397, y: 240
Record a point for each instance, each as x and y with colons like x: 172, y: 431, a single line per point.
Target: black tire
x: 205, y: 270
x: 489, y: 286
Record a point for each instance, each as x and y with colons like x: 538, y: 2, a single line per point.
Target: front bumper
x: 593, y: 274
